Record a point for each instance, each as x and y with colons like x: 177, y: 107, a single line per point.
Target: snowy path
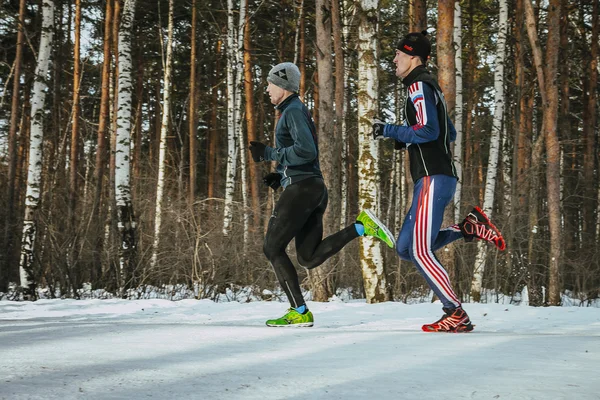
x: 116, y: 349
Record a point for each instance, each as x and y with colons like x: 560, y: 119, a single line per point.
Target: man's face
x: 276, y: 93
x: 404, y: 63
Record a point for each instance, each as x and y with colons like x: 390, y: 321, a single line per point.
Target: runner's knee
x: 403, y: 246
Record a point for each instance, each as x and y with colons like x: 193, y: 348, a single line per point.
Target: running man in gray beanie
x: 299, y: 211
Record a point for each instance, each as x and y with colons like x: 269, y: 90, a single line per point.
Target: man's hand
x: 378, y: 126
x: 399, y: 145
x: 273, y: 180
x: 258, y: 151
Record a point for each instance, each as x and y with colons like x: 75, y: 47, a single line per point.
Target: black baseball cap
x: 415, y: 44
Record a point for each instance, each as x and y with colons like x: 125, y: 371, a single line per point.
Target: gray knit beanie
x: 285, y: 75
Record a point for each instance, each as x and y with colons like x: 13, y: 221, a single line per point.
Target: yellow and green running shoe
x: 293, y: 319
x: 374, y: 227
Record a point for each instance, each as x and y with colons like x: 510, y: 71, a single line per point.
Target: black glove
x: 258, y: 151
x: 378, y: 126
x: 399, y: 145
x: 273, y: 180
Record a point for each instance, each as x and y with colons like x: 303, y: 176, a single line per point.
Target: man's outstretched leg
x: 313, y: 250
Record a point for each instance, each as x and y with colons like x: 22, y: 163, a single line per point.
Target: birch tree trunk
x: 492, y: 169
x: 239, y: 60
x: 125, y: 215
x: 34, y: 173
x: 371, y: 260
x: 164, y: 130
x: 344, y: 198
x: 231, y: 118
x: 458, y: 109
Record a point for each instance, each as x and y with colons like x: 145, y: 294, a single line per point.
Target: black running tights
x: 299, y: 214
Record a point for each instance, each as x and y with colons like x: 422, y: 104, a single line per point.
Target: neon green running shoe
x: 293, y: 319
x: 374, y: 227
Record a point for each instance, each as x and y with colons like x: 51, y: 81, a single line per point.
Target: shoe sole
x: 302, y: 325
x: 463, y: 330
x: 382, y: 226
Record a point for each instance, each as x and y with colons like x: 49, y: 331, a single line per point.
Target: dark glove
x: 378, y: 126
x: 258, y: 151
x: 399, y: 145
x: 273, y: 180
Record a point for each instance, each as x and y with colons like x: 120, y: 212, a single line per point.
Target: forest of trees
x: 124, y: 128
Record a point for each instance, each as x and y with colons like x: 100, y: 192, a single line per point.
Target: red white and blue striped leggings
x: 421, y: 235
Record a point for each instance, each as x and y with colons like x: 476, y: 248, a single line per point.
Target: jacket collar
x: 413, y: 76
x: 283, y: 105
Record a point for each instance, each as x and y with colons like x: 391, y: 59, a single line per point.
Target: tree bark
x: 34, y: 174
x: 251, y: 120
x: 164, y: 130
x: 125, y: 215
x: 5, y: 260
x: 74, y: 155
x: 417, y: 15
x: 492, y: 167
x: 192, y: 113
x: 328, y: 143
x: 590, y: 152
x: 458, y: 110
x: 374, y: 276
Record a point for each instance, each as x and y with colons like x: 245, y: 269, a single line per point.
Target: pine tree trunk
x: 553, y: 152
x: 374, y: 276
x: 34, y: 172
x: 74, y: 155
x: 447, y: 81
x: 302, y: 52
x: 417, y: 15
x: 213, y: 133
x: 101, y: 156
x: 566, y: 124
x: 446, y: 54
x: 328, y: 143
x: 590, y: 152
x: 251, y: 120
x: 5, y: 259
x: 192, y: 113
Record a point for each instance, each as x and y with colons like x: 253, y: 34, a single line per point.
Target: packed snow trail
x: 119, y: 349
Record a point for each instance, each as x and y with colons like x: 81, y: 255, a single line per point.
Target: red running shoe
x: 478, y: 226
x: 454, y: 320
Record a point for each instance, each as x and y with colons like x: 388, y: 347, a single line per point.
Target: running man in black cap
x: 299, y: 211
x: 426, y: 135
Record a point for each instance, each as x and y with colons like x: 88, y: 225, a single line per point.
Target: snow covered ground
x: 139, y: 349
